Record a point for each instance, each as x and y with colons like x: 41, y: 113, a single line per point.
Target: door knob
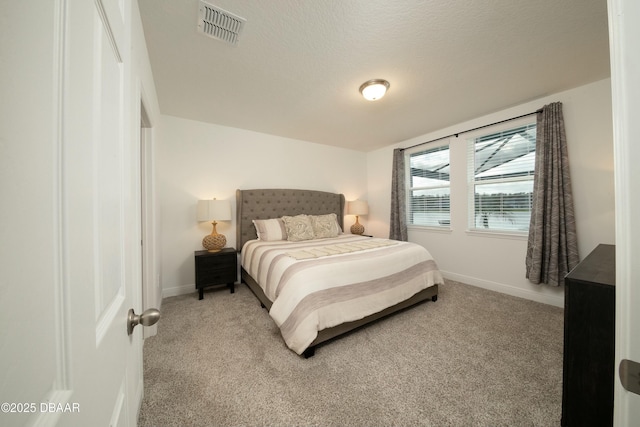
x: 147, y: 318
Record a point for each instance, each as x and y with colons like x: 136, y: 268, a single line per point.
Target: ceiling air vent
x: 219, y: 24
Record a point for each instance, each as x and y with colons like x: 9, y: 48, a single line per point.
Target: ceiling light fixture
x: 374, y: 89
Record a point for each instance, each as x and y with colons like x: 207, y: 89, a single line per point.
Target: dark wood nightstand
x: 216, y: 268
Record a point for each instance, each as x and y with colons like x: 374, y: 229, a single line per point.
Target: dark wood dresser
x: 589, y: 332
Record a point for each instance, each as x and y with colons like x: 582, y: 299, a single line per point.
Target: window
x: 501, y: 166
x: 429, y: 182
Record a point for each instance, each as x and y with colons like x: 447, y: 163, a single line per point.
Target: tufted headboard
x: 274, y: 203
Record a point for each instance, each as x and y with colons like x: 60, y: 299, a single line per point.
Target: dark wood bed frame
x: 274, y: 203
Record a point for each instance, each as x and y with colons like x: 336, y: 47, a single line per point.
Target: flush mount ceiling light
x: 374, y: 89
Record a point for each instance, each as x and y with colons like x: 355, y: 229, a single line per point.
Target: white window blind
x: 429, y: 187
x: 500, y: 171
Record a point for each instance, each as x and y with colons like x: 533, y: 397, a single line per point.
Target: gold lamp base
x: 214, y: 242
x: 357, y: 228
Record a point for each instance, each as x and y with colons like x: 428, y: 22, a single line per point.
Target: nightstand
x: 216, y: 268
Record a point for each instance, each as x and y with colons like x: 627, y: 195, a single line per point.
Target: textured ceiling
x: 299, y: 63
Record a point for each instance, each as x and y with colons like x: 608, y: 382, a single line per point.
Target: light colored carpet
x: 473, y: 358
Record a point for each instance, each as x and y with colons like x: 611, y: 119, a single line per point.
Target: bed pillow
x: 325, y: 225
x: 270, y: 229
x: 298, y: 228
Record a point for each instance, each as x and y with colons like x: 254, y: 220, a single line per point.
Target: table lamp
x: 214, y: 210
x: 357, y: 208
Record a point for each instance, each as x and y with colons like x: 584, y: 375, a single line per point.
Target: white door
x: 70, y: 215
x: 624, y: 31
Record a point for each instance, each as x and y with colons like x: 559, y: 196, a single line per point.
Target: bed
x: 320, y: 287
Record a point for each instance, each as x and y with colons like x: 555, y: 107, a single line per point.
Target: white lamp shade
x: 214, y: 210
x: 357, y: 207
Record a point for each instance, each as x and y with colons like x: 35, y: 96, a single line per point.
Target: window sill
x: 499, y: 234
x: 426, y: 228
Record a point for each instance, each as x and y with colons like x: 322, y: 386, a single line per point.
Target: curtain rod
x: 471, y: 130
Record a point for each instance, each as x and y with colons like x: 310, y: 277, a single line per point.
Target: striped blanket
x: 314, y: 293
x: 340, y: 248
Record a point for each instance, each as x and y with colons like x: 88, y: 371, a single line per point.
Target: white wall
x: 498, y: 263
x: 196, y: 160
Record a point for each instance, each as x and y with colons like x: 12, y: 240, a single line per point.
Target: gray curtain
x: 398, y: 226
x: 552, y: 248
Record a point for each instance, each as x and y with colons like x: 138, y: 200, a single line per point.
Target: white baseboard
x: 545, y: 298
x: 178, y: 290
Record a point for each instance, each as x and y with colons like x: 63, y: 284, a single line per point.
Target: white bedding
x: 320, y: 292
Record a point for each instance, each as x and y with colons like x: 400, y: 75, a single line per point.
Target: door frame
x: 151, y: 291
x: 624, y: 15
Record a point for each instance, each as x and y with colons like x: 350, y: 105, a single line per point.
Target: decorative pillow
x: 270, y: 229
x: 325, y: 225
x: 298, y: 228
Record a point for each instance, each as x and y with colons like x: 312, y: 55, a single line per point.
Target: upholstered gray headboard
x: 274, y: 203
